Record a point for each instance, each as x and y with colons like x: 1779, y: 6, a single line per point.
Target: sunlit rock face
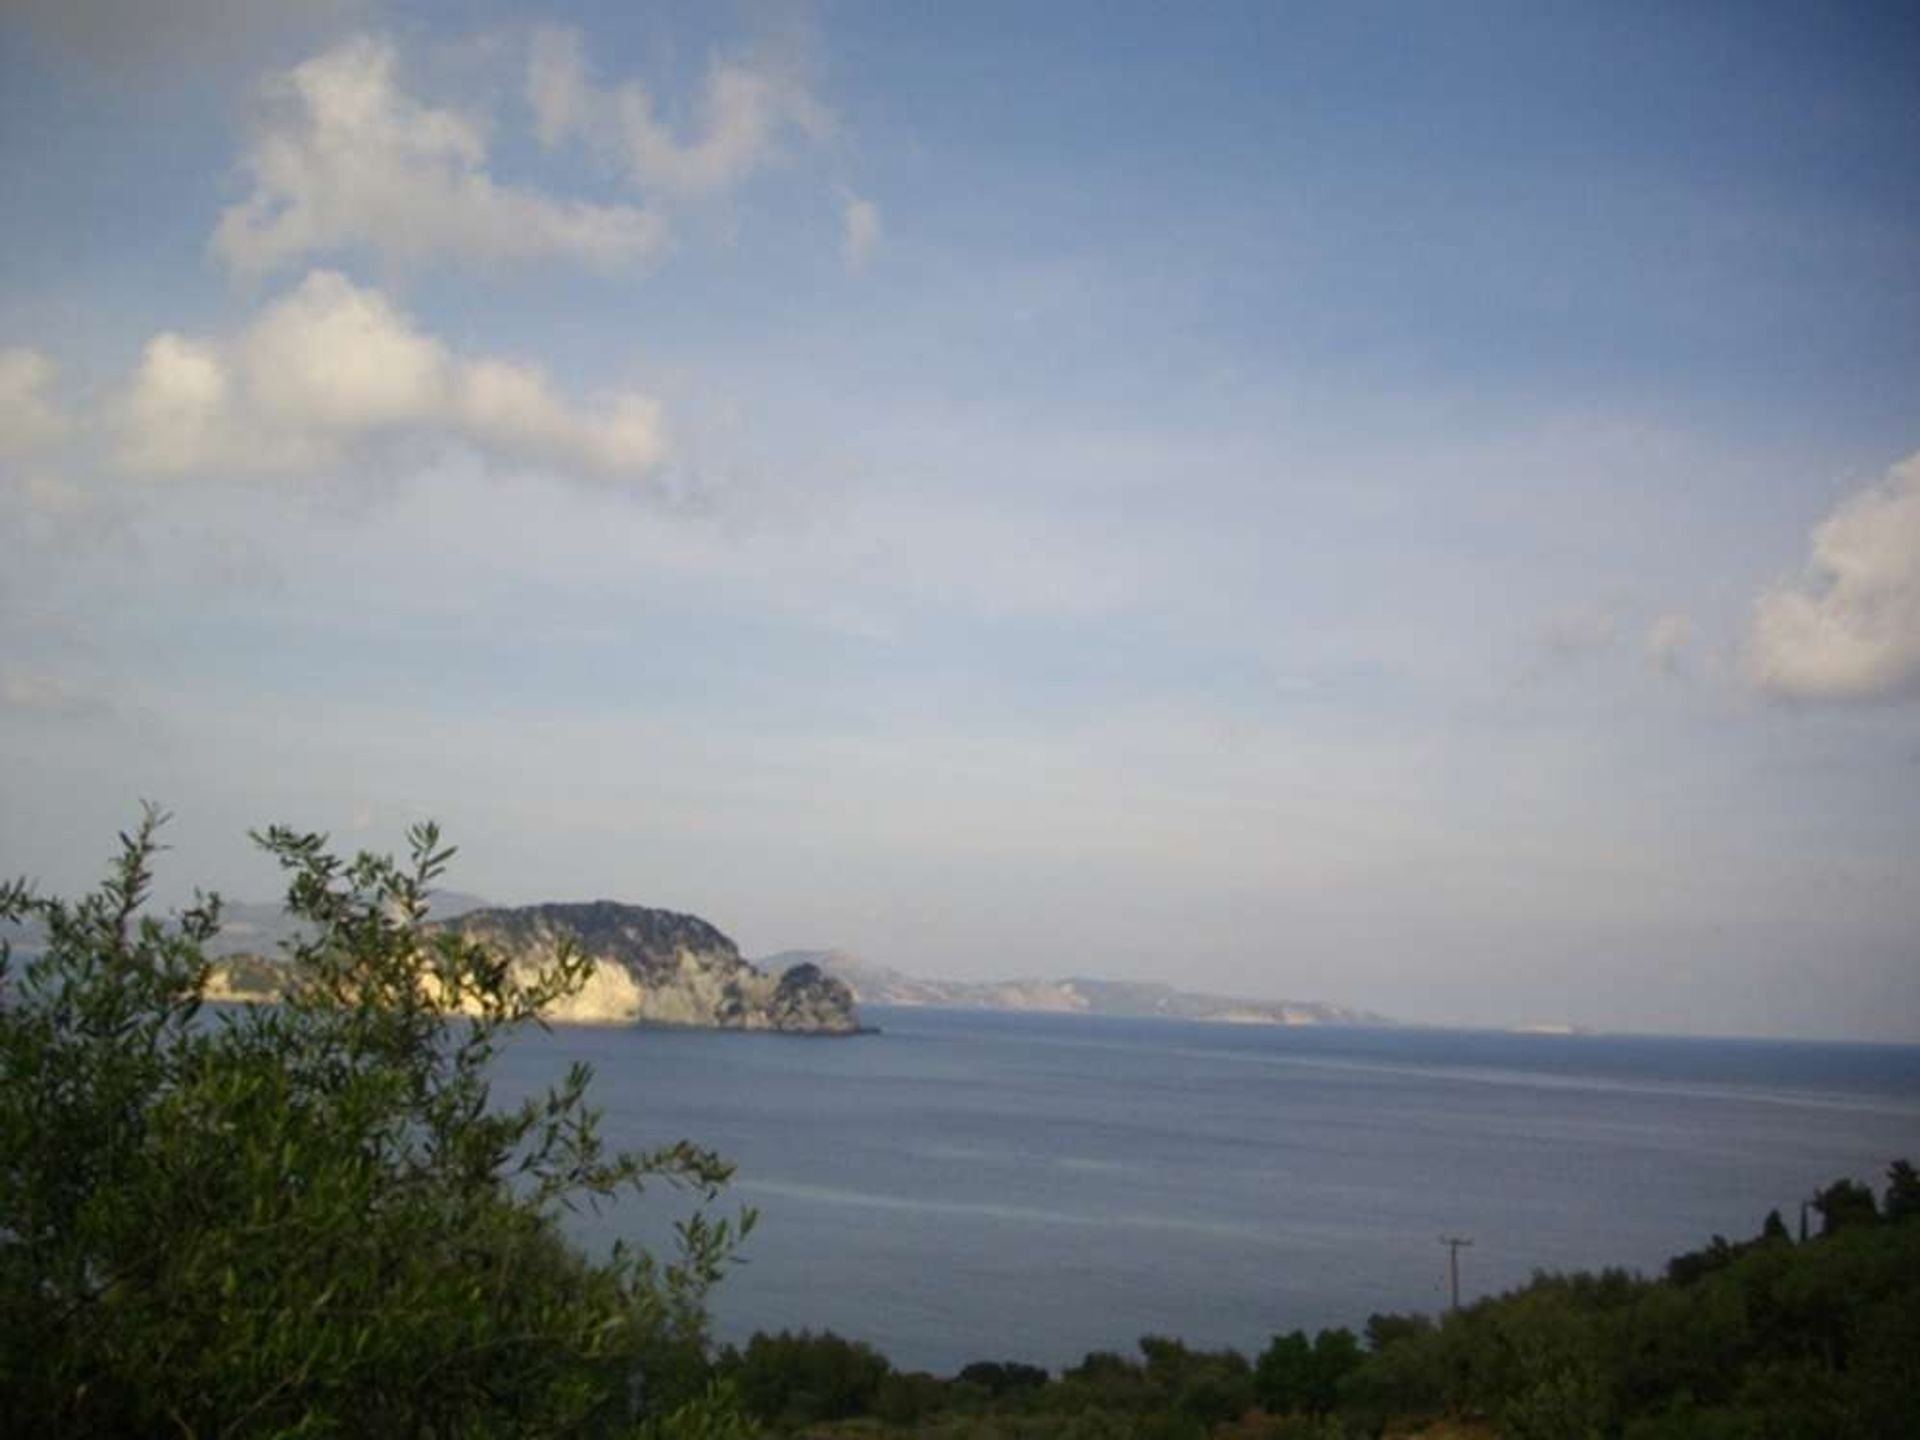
x: 661, y: 967
x: 648, y: 966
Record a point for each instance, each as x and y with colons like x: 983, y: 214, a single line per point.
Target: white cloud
x: 345, y: 160
x: 513, y: 408
x: 860, y: 232
x: 1668, y: 639
x: 179, y: 415
x: 1850, y: 629
x: 332, y: 365
x: 30, y: 418
x: 334, y: 357
x: 563, y: 102
x: 745, y: 111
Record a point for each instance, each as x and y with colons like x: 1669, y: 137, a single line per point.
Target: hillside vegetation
x: 1767, y: 1339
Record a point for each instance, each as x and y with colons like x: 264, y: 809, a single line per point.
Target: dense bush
x: 1002, y: 1377
x: 308, y: 1219
x: 1294, y: 1373
x: 793, y: 1379
x: 1759, y: 1338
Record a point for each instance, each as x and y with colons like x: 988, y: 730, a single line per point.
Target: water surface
x: 966, y: 1185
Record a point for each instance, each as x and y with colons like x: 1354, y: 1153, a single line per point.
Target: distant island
x: 878, y: 985
x: 657, y: 967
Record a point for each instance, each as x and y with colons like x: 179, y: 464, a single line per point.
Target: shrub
x: 1003, y: 1377
x: 308, y: 1219
x: 797, y: 1379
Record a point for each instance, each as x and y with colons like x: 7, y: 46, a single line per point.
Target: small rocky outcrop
x: 807, y: 998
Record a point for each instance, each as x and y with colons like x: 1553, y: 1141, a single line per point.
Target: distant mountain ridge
x: 1076, y: 995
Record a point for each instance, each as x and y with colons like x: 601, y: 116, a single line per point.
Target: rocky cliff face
x: 662, y: 967
x: 648, y: 966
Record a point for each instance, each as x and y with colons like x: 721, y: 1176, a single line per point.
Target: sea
x: 970, y: 1186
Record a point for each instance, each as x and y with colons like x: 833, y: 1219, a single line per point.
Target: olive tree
x: 312, y: 1218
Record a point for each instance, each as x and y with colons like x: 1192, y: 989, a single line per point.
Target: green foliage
x: 715, y: 1414
x: 1564, y: 1403
x: 1385, y: 1330
x: 794, y: 1379
x: 1770, y: 1341
x: 1295, y: 1374
x: 1764, y: 1340
x: 1283, y: 1375
x: 1845, y: 1205
x: 309, y: 1219
x: 906, y: 1397
x: 1002, y: 1377
x: 1203, y: 1387
x: 1903, y: 1192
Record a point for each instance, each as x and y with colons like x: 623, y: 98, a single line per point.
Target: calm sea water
x: 967, y: 1186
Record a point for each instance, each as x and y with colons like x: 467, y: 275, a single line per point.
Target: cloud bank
x: 744, y: 113
x: 332, y: 365
x: 1849, y: 630
x: 30, y: 418
x: 343, y: 159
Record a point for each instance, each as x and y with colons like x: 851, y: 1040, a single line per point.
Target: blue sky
x: 1405, y: 505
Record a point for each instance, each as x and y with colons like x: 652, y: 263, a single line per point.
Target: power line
x: 1454, y: 1244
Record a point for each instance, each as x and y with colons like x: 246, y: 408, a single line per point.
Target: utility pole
x: 1454, y: 1243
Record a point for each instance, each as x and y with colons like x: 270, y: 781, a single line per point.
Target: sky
x: 1414, y: 506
